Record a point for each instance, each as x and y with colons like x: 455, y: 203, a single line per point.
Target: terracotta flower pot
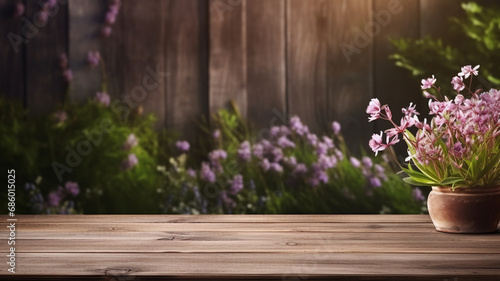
x: 465, y: 210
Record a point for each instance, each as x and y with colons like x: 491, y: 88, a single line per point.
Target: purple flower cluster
x: 236, y: 185
x: 373, y: 173
x: 102, y: 98
x: 130, y: 162
x: 277, y: 153
x: 182, y: 146
x: 216, y: 158
x: 130, y: 142
x: 58, y: 201
x: 206, y: 173
x: 297, y: 126
x: 47, y: 10
x: 110, y: 18
x: 245, y: 151
x: 93, y: 58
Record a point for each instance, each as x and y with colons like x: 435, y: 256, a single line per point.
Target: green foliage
x: 479, y: 43
x: 168, y: 180
x: 95, y: 135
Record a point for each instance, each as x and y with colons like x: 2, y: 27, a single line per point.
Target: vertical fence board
x: 227, y: 65
x: 11, y: 54
x: 45, y: 86
x: 350, y: 77
x: 113, y: 53
x: 307, y: 31
x: 393, y: 85
x: 144, y: 48
x: 187, y: 65
x: 86, y: 18
x: 266, y: 61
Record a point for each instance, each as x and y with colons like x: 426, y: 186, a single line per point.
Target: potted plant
x: 457, y: 153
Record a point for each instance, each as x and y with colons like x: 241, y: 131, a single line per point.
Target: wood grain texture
x: 144, y: 39
x: 243, y: 247
x: 45, y: 86
x: 307, y: 52
x: 266, y: 73
x: 227, y: 55
x: 350, y: 74
x: 187, y: 65
x: 11, y: 53
x: 402, y: 219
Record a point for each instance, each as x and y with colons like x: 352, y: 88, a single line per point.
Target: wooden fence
x: 319, y: 59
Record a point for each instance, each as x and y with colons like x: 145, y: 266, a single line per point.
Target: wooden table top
x: 282, y: 247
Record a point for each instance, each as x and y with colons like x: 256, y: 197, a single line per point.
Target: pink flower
x: 388, y: 113
x: 458, y: 83
x: 93, y: 58
x: 459, y: 99
x: 102, y: 98
x: 216, y: 134
x: 427, y: 83
x: 376, y: 143
x: 336, y: 127
x: 130, y: 162
x: 373, y: 109
x: 106, y: 31
x: 110, y: 17
x: 130, y: 142
x: 68, y: 75
x: 410, y: 110
x: 468, y: 70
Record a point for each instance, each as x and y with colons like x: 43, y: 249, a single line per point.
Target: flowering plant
x: 281, y: 169
x: 459, y: 148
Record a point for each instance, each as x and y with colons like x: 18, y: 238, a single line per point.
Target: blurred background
x: 217, y: 73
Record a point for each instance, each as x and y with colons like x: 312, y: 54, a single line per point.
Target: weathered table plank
x: 284, y: 247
